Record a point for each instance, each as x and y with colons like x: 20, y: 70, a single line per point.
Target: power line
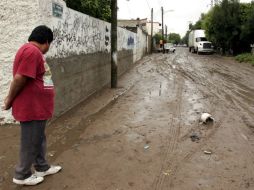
x: 159, y: 3
x: 129, y: 9
x: 148, y: 5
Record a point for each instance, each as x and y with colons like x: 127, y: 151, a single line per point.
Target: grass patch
x: 245, y: 57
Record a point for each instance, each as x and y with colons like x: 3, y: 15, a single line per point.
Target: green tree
x: 174, y: 38
x: 247, y: 27
x: 96, y: 8
x: 229, y: 25
x: 185, y: 39
x: 199, y: 23
x: 157, y: 38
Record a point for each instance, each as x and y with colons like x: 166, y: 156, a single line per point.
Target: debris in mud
x: 206, y: 118
x: 245, y: 137
x: 167, y: 172
x: 197, y: 112
x: 194, y: 137
x: 146, y: 147
x: 207, y: 152
x: 131, y: 184
x: 52, y: 153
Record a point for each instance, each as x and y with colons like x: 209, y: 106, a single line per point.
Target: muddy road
x: 138, y: 136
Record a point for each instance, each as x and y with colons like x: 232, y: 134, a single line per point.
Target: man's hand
x: 7, y: 103
x: 17, y: 85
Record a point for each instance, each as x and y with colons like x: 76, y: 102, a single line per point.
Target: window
x: 201, y: 39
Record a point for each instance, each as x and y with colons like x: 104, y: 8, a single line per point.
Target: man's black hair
x: 41, y: 34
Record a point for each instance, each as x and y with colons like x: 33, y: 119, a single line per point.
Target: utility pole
x: 152, y: 30
x: 163, y: 48
x: 166, y: 32
x: 113, y: 43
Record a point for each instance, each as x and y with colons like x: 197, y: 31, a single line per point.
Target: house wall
x: 156, y: 27
x: 14, y: 31
x: 79, y: 56
x: 141, y: 44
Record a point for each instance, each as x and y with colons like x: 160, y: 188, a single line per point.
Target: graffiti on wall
x: 125, y: 39
x: 76, y: 33
x: 130, y: 41
x: 107, y: 39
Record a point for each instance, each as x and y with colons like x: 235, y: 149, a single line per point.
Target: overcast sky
x: 178, y: 13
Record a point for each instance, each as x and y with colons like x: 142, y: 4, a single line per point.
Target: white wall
x: 156, y: 27
x: 77, y: 33
x: 141, y: 45
x: 17, y: 19
x: 74, y: 34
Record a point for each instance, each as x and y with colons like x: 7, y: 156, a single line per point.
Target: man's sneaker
x: 32, y: 180
x: 51, y: 170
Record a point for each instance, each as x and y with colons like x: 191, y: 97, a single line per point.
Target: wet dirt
x: 139, y: 135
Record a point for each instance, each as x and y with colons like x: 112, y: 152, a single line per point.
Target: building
x: 144, y: 24
x: 156, y: 27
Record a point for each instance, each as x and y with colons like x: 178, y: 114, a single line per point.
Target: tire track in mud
x: 208, y: 133
x: 230, y: 87
x: 168, y: 165
x: 218, y: 90
x: 235, y: 88
x: 174, y: 124
x: 199, y: 81
x: 241, y: 103
x: 226, y: 87
x: 247, y: 178
x: 172, y: 162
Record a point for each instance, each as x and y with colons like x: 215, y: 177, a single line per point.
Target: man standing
x: 31, y: 97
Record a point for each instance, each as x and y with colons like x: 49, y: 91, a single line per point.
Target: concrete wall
x: 80, y: 53
x: 77, y: 77
x: 17, y: 19
x: 142, y: 43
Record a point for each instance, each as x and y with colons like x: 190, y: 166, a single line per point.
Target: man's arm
x: 17, y: 85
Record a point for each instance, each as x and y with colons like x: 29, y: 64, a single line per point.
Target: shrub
x: 245, y: 57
